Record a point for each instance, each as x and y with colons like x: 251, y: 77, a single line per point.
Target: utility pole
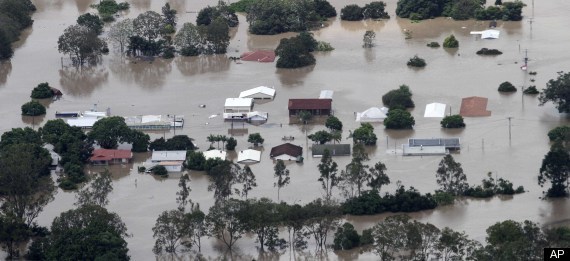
x: 509, y: 118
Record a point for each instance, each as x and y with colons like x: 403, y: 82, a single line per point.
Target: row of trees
x: 15, y: 16
x: 459, y: 10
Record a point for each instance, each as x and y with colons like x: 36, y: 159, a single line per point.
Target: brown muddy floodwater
x: 358, y: 76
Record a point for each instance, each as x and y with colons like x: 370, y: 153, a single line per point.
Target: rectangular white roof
x: 258, y: 92
x: 488, y: 34
x: 212, y: 154
x: 435, y: 110
x: 238, y: 102
x: 83, y: 122
x: 326, y: 94
x: 249, y: 156
x: 257, y: 114
x: 170, y: 155
x: 150, y: 118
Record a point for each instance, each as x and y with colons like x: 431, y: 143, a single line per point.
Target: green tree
x: 368, y: 39
x: 346, y: 237
x: 510, y: 240
x: 195, y: 160
x: 375, y: 10
x: 33, y: 108
x: 89, y: 232
x: 329, y: 178
x: 92, y: 22
x: 356, y: 172
x: 255, y: 138
x: 377, y: 177
x: 169, y: 16
x: 365, y: 135
x: 333, y: 123
x: 169, y: 231
x: 159, y: 170
x: 450, y: 176
x: 189, y: 40
x: 148, y: 25
x: 217, y: 36
x: 12, y: 235
x: 390, y: 236
x: 282, y: 175
x: 5, y: 46
x: 81, y: 44
x: 465, y: 9
x: 261, y: 218
x: 139, y: 140
x: 184, y: 192
x: 322, y: 217
x: 351, y: 13
x: 120, y: 33
x: 247, y: 179
x: 320, y: 137
x: 557, y: 91
x: 416, y: 62
x: 452, y: 121
x: 208, y: 14
x: 42, y: 91
x: 293, y: 53
x: 556, y: 169
x: 507, y: 87
x: 399, y: 119
x: 223, y: 176
x: 109, y: 132
x: 20, y: 136
x: 450, y: 42
x: 97, y: 192
x: 453, y: 245
x: 223, y: 221
x: 196, y: 227
x: 401, y: 97
x: 561, y: 133
x: 231, y: 144
x: 324, y: 9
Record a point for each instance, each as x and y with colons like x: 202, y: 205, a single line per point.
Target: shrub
x: 168, y: 52
x: 141, y: 169
x: 66, y: 184
x: 453, y: 121
x: 33, y: 108
x: 443, y: 198
x: 351, y: 13
x: 364, y: 134
x: 346, y: 237
x: 450, y: 42
x: 324, y: 47
x: 485, y: 51
x: 531, y: 90
x: 370, y: 202
x: 159, y: 170
x: 559, y: 133
x: 433, y: 45
x: 42, y: 91
x: 231, y: 144
x: 195, y: 160
x: 416, y: 17
x: 399, y: 119
x: 375, y: 10
x: 507, y: 87
x: 399, y: 97
x: 417, y: 62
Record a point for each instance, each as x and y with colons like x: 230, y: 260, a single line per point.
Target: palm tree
x: 223, y: 139
x: 211, y: 139
x: 336, y: 136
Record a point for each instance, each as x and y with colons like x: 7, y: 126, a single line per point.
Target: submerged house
x: 314, y: 106
x: 237, y: 108
x: 263, y: 56
x: 108, y: 157
x: 474, y: 107
x: 172, y: 160
x: 249, y: 156
x: 373, y: 114
x: 260, y: 92
x: 286, y: 152
x: 435, y: 110
x: 212, y: 154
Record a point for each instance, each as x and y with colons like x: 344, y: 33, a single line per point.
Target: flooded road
x: 359, y: 78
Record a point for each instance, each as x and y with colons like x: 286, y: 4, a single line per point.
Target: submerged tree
x: 328, y: 169
x: 282, y: 175
x: 98, y: 191
x: 356, y: 172
x: 224, y: 223
x: 556, y: 169
x: 121, y: 32
x: 450, y: 176
x: 368, y: 39
x: 557, y: 91
x: 169, y: 231
x: 81, y: 44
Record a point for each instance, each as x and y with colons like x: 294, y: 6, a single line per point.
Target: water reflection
x: 82, y: 5
x: 45, y: 4
x: 147, y: 74
x: 368, y: 25
x: 293, y: 77
x: 77, y: 81
x: 140, y: 4
x: 190, y: 66
x: 33, y: 120
x: 5, y: 70
x: 369, y: 55
x: 178, y: 5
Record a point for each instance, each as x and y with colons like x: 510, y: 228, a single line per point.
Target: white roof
x: 326, y: 94
x: 249, y: 156
x: 150, y: 118
x: 171, y: 155
x: 435, y: 110
x: 100, y: 114
x: 238, y: 102
x: 257, y: 114
x: 212, y: 154
x: 83, y: 122
x: 488, y: 34
x: 251, y: 93
x: 373, y: 114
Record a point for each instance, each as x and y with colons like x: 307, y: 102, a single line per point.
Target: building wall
x: 313, y: 112
x: 175, y: 168
x: 285, y: 157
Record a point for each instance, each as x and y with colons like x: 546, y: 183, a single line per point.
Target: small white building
x: 488, y: 34
x: 435, y: 110
x: 373, y: 114
x: 257, y: 116
x: 212, y: 154
x: 172, y: 160
x: 326, y: 94
x: 249, y: 156
x: 233, y: 105
x: 261, y: 92
x: 83, y: 122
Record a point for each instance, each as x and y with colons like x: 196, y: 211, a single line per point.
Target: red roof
x: 105, y: 154
x: 287, y: 148
x: 266, y: 56
x: 310, y: 104
x: 474, y: 107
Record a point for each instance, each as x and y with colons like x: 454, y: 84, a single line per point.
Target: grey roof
x: 452, y: 143
x: 334, y: 149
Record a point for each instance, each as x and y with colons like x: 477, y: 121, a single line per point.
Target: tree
x: 375, y: 10
x: 42, y: 91
x: 261, y: 218
x: 184, y: 192
x: 507, y: 87
x: 231, y: 144
x: 450, y: 42
x: 121, y: 32
x: 148, y: 25
x: 196, y: 227
x: 140, y: 141
x: 159, y: 170
x: 390, y: 236
x: 169, y: 231
x: 322, y: 216
x: 81, y: 44
x: 498, y: 2
x: 510, y: 240
x: 109, y: 132
x: 346, y: 237
x: 255, y: 138
x: 169, y: 16
x: 189, y: 40
x: 33, y: 108
x: 369, y: 37
x: 12, y: 235
x: 452, y: 245
x: 416, y: 62
x: 351, y: 13
x: 92, y: 22
x: 19, y: 136
x: 208, y: 14
x: 195, y: 160
x: 282, y: 175
x: 465, y: 9
x: 556, y: 169
x: 356, y: 172
x: 399, y: 119
x: 320, y: 137
x: 364, y: 134
x: 512, y: 11
x: 557, y: 91
x: 401, y: 97
x: 324, y: 9
x: 217, y: 37
x: 247, y: 179
x: 333, y: 123
x: 305, y: 116
x: 25, y: 185
x: 223, y: 176
x: 450, y: 176
x: 224, y: 223
x: 377, y: 176
x: 452, y: 121
x: 293, y: 53
x: 561, y: 133
x: 89, y: 232
x: 98, y: 191
x: 328, y: 169
x: 6, y: 51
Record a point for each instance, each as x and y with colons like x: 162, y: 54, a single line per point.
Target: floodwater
x: 359, y: 78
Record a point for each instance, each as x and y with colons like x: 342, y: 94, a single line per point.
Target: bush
x: 401, y: 97
x: 453, y: 121
x: 485, y: 51
x: 351, y: 13
x: 450, y: 42
x: 33, y: 108
x: 159, y: 170
x: 324, y: 47
x: 416, y: 17
x: 559, y: 133
x: 346, y: 237
x: 531, y: 90
x: 365, y: 135
x: 433, y: 44
x: 417, y: 62
x: 168, y: 52
x: 507, y: 87
x: 255, y: 138
x: 42, y: 91
x: 375, y: 10
x: 141, y: 169
x: 66, y: 184
x: 195, y: 160
x: 231, y: 144
x: 399, y: 119
x: 443, y: 198
x: 370, y: 202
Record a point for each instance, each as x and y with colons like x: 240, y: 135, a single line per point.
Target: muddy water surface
x: 358, y: 76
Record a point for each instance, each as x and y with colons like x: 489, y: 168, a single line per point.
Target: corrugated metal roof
x: 258, y: 90
x: 310, y: 104
x: 238, y: 102
x: 171, y: 155
x: 249, y: 156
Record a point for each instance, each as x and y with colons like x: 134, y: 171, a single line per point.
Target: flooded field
x: 358, y: 76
